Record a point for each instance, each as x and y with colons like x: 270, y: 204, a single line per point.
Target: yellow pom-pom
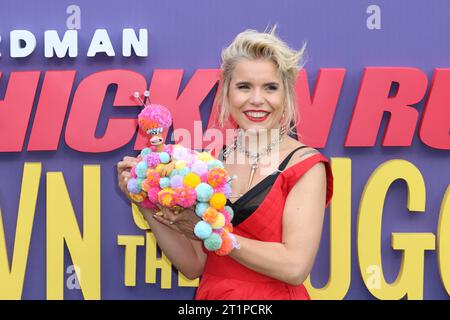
x: 191, y: 180
x: 159, y: 167
x: 218, y: 201
x: 180, y: 164
x: 219, y: 223
x: 204, y: 156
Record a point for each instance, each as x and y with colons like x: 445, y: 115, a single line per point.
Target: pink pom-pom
x: 204, y: 177
x: 133, y: 172
x: 152, y: 194
x: 152, y: 178
x: 226, y: 214
x: 220, y: 189
x: 186, y: 196
x: 154, y: 116
x: 152, y: 159
x: 148, y: 204
x: 168, y: 148
x: 167, y: 197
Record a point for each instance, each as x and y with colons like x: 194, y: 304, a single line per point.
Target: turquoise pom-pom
x: 203, y: 230
x: 200, y: 208
x: 214, y: 163
x: 141, y: 169
x: 145, y: 151
x: 173, y: 173
x: 164, y: 182
x: 184, y: 171
x: 204, y: 192
x: 139, y: 182
x: 213, y: 243
x: 164, y: 157
x: 230, y: 211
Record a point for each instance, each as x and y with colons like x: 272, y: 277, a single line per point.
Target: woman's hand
x: 183, y: 222
x: 124, y: 172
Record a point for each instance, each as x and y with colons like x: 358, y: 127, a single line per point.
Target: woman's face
x: 256, y: 95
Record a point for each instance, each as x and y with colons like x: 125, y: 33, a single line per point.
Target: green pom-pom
x: 164, y: 157
x: 145, y: 151
x: 213, y: 242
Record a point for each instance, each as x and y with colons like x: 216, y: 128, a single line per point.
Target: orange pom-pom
x: 226, y: 247
x: 228, y: 228
x: 210, y: 215
x: 166, y: 197
x: 138, y: 197
x: 217, y: 177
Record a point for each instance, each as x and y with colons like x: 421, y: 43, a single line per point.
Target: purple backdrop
x: 189, y: 35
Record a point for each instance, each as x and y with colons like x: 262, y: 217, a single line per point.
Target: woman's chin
x: 255, y: 129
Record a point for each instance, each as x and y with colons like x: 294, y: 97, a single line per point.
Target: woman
x: 279, y: 195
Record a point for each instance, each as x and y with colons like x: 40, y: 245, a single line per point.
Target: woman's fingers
x: 126, y: 164
x: 166, y: 222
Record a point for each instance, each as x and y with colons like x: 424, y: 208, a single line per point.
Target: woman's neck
x: 259, y: 142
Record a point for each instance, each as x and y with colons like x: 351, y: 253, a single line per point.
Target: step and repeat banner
x: 374, y: 97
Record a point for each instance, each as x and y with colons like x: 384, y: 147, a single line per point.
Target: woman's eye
x: 272, y: 88
x: 243, y: 87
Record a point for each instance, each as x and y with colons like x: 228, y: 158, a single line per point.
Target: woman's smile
x: 257, y: 115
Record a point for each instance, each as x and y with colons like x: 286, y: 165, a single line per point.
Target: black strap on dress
x: 252, y: 199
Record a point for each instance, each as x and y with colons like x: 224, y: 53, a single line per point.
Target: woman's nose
x: 257, y: 97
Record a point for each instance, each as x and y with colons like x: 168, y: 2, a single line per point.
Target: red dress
x: 226, y: 279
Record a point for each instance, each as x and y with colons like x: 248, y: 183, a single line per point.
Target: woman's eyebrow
x: 272, y: 84
x: 265, y: 84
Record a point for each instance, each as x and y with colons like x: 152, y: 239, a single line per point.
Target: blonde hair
x: 252, y: 45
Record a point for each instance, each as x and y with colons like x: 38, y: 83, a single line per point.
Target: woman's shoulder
x: 301, y: 152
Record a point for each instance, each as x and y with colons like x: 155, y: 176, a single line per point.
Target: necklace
x: 254, y: 157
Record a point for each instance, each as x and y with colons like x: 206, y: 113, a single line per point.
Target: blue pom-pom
x: 139, y: 182
x: 202, y: 230
x: 145, y: 151
x: 184, y: 171
x: 164, y: 157
x: 164, y: 182
x: 213, y: 243
x: 200, y: 208
x: 230, y: 211
x: 173, y: 173
x: 141, y: 169
x: 214, y: 163
x: 133, y: 186
x: 204, y: 192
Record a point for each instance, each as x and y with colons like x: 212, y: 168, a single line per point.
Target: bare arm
x: 184, y: 253
x: 291, y: 261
